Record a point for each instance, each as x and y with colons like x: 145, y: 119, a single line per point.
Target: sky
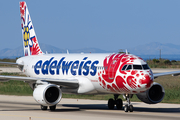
x: 105, y: 24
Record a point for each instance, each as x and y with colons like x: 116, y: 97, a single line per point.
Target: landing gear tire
x: 43, y: 107
x: 111, y: 103
x: 126, y: 108
x: 119, y: 104
x: 52, y: 108
x: 131, y: 108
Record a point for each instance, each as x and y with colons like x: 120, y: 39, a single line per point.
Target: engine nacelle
x: 152, y: 96
x: 47, y: 95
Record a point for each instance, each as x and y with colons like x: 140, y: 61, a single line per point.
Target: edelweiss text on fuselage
x: 76, y: 67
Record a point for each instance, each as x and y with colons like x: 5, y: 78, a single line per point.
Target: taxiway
x: 25, y: 108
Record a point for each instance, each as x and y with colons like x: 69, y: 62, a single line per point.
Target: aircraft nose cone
x: 147, y: 80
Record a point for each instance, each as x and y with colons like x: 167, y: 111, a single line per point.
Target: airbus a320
x: 50, y: 75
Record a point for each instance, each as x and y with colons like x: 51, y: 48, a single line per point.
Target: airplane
x: 50, y: 75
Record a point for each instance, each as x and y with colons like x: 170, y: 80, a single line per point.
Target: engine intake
x: 47, y: 95
x: 152, y: 96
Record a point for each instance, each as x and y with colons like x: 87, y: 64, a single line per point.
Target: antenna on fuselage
x: 126, y: 51
x: 67, y: 52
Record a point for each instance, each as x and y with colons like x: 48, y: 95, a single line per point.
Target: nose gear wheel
x: 128, y: 106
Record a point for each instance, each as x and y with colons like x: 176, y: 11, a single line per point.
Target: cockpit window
x: 124, y: 67
x: 129, y: 67
x: 137, y: 67
x: 145, y: 67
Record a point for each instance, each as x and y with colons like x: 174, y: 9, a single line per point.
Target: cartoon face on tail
x: 30, y: 42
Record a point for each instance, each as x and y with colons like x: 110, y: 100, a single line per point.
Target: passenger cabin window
x: 136, y: 67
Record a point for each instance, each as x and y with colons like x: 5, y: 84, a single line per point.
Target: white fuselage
x: 102, y: 70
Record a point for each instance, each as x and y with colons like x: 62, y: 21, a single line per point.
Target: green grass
x: 162, y: 63
x: 170, y: 84
x: 14, y: 87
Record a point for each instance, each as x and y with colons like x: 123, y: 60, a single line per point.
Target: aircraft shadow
x: 137, y: 109
x: 160, y: 110
x: 77, y: 107
x: 87, y: 106
x: 80, y: 107
x: 21, y: 109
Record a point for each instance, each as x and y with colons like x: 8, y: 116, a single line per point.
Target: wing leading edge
x: 174, y: 73
x: 10, y: 63
x: 72, y: 83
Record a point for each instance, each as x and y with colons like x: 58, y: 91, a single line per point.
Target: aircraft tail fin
x: 30, y: 42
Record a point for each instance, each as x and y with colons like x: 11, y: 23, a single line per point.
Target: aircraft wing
x: 10, y: 63
x: 174, y: 73
x: 73, y: 83
x: 20, y: 66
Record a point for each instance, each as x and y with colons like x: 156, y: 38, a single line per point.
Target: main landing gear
x: 52, y: 108
x: 115, y: 101
x: 119, y: 103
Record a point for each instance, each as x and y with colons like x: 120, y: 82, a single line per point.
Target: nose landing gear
x: 128, y: 106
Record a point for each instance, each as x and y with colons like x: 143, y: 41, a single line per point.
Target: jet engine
x: 47, y: 95
x: 153, y: 95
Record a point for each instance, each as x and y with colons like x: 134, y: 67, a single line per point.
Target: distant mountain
x: 52, y: 49
x: 89, y: 50
x: 147, y: 50
x: 11, y: 53
x: 154, y: 49
x: 18, y: 52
